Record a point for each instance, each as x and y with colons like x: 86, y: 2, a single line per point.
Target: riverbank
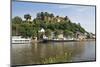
x: 45, y: 40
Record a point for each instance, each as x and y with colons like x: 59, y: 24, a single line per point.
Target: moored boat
x: 20, y: 40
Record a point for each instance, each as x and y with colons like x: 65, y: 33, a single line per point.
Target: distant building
x: 60, y: 36
x: 92, y: 35
x: 60, y: 19
x: 80, y: 35
x: 42, y: 30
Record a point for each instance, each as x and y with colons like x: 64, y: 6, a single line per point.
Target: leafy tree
x: 34, y: 33
x: 56, y: 33
x: 46, y: 14
x: 48, y: 32
x: 67, y: 33
x: 16, y: 20
x: 27, y: 17
x: 51, y: 26
x: 57, y: 16
x: 51, y: 15
x: 38, y: 15
x: 42, y: 15
x: 66, y: 18
x: 26, y: 30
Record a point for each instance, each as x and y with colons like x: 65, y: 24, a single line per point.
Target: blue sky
x: 85, y: 15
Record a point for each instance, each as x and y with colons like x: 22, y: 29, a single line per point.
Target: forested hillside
x: 47, y: 21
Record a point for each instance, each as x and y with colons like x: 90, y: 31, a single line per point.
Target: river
x: 58, y: 52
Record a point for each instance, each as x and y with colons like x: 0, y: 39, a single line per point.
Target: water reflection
x: 42, y: 53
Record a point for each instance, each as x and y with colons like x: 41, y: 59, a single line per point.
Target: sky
x: 85, y: 15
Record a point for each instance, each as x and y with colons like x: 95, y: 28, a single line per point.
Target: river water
x: 53, y: 52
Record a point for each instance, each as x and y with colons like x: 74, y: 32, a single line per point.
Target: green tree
x: 38, y: 16
x: 56, y: 33
x: 34, y: 33
x: 16, y: 20
x: 51, y: 15
x: 42, y: 15
x: 15, y: 29
x: 27, y: 17
x: 50, y: 26
x: 67, y: 33
x: 66, y: 18
x: 46, y: 14
x: 48, y: 32
x: 57, y: 16
x: 26, y: 30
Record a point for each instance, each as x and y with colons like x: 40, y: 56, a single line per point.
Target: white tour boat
x: 20, y: 40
